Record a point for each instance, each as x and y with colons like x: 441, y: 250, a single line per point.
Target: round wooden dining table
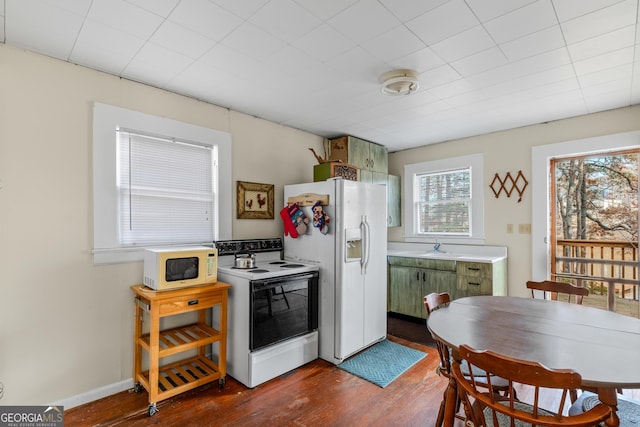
x: 602, y: 346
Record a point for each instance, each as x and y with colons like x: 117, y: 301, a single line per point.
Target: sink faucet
x: 436, y: 247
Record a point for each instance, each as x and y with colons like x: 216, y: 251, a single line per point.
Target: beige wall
x: 510, y: 151
x: 66, y: 326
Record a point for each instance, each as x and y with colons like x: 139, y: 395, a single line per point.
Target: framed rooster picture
x: 255, y: 201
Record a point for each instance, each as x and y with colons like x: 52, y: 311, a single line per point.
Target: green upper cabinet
x: 393, y: 201
x: 369, y: 157
x: 372, y: 161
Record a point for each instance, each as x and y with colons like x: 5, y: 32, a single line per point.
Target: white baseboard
x: 95, y: 394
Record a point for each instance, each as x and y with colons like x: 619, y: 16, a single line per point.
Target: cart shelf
x: 165, y: 381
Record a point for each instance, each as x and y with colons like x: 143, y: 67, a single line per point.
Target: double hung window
x: 156, y: 182
x: 165, y: 189
x: 444, y: 200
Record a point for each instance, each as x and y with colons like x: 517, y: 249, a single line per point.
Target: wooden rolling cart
x: 165, y: 381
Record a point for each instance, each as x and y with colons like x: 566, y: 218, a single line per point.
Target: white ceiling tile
x: 52, y: 31
x: 253, y: 41
x: 324, y: 43
x: 124, y: 17
x: 421, y: 61
x: 620, y: 73
x: 182, y: 40
x: 604, y: 61
x: 228, y: 60
x: 486, y: 10
x: 526, y: 20
x: 533, y: 44
x: 325, y: 9
x: 363, y: 21
x: 451, y: 89
x: 397, y: 43
x: 464, y: 44
x: 479, y: 62
x: 285, y: 20
x: 79, y: 7
x: 614, y: 40
x: 443, y: 22
x: 159, y: 7
x: 406, y: 10
x: 606, y: 99
x: 569, y: 9
x: 439, y: 76
x: 601, y: 21
x: 105, y: 47
x: 157, y: 61
x: 290, y: 60
x: 357, y: 62
x: 205, y: 18
x: 243, y: 9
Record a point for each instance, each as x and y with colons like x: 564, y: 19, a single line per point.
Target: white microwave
x: 173, y: 268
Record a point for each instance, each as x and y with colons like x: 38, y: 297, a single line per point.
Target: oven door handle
x: 283, y: 279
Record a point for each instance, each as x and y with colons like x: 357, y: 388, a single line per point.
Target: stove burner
x: 292, y: 266
x: 243, y: 268
x: 260, y: 270
x: 277, y: 262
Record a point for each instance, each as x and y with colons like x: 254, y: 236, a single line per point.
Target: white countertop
x: 469, y: 253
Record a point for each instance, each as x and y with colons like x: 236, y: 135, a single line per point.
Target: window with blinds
x: 165, y: 190
x: 445, y: 202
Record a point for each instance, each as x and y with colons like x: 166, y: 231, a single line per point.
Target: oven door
x: 282, y: 308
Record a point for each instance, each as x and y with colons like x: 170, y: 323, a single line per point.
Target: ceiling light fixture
x: 399, y: 82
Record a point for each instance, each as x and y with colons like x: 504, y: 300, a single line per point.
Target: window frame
x: 106, y: 119
x: 473, y: 162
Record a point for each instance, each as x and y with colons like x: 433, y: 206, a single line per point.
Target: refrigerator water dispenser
x: 353, y: 243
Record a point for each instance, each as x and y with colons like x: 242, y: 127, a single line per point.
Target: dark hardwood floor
x: 317, y: 394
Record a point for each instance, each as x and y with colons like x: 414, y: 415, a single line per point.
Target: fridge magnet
x: 255, y: 201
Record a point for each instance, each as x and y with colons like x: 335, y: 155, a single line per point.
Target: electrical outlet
x: 524, y: 228
x: 509, y: 228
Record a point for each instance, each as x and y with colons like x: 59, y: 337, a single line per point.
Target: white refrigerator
x: 352, y: 261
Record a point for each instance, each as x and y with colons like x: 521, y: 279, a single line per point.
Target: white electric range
x: 272, y: 320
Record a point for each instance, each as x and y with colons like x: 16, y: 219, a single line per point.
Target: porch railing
x: 606, y: 267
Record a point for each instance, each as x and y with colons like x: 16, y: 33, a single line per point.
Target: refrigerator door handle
x: 364, y: 262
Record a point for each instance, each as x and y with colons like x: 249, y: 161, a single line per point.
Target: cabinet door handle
x: 417, y: 275
x: 473, y: 268
x: 473, y: 283
x: 193, y: 302
x: 424, y: 276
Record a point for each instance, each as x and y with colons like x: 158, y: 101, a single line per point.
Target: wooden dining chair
x: 435, y: 301
x: 432, y: 302
x: 555, y: 288
x: 483, y: 408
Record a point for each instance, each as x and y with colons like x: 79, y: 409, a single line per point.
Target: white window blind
x: 165, y: 190
x: 445, y: 202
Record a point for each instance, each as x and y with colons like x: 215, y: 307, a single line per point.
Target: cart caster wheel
x: 221, y: 382
x: 137, y: 388
x: 152, y: 409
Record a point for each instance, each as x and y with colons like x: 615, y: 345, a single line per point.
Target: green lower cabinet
x: 404, y: 287
x: 408, y: 285
x: 410, y: 279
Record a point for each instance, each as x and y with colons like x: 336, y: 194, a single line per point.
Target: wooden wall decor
x: 254, y: 201
x: 508, y: 184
